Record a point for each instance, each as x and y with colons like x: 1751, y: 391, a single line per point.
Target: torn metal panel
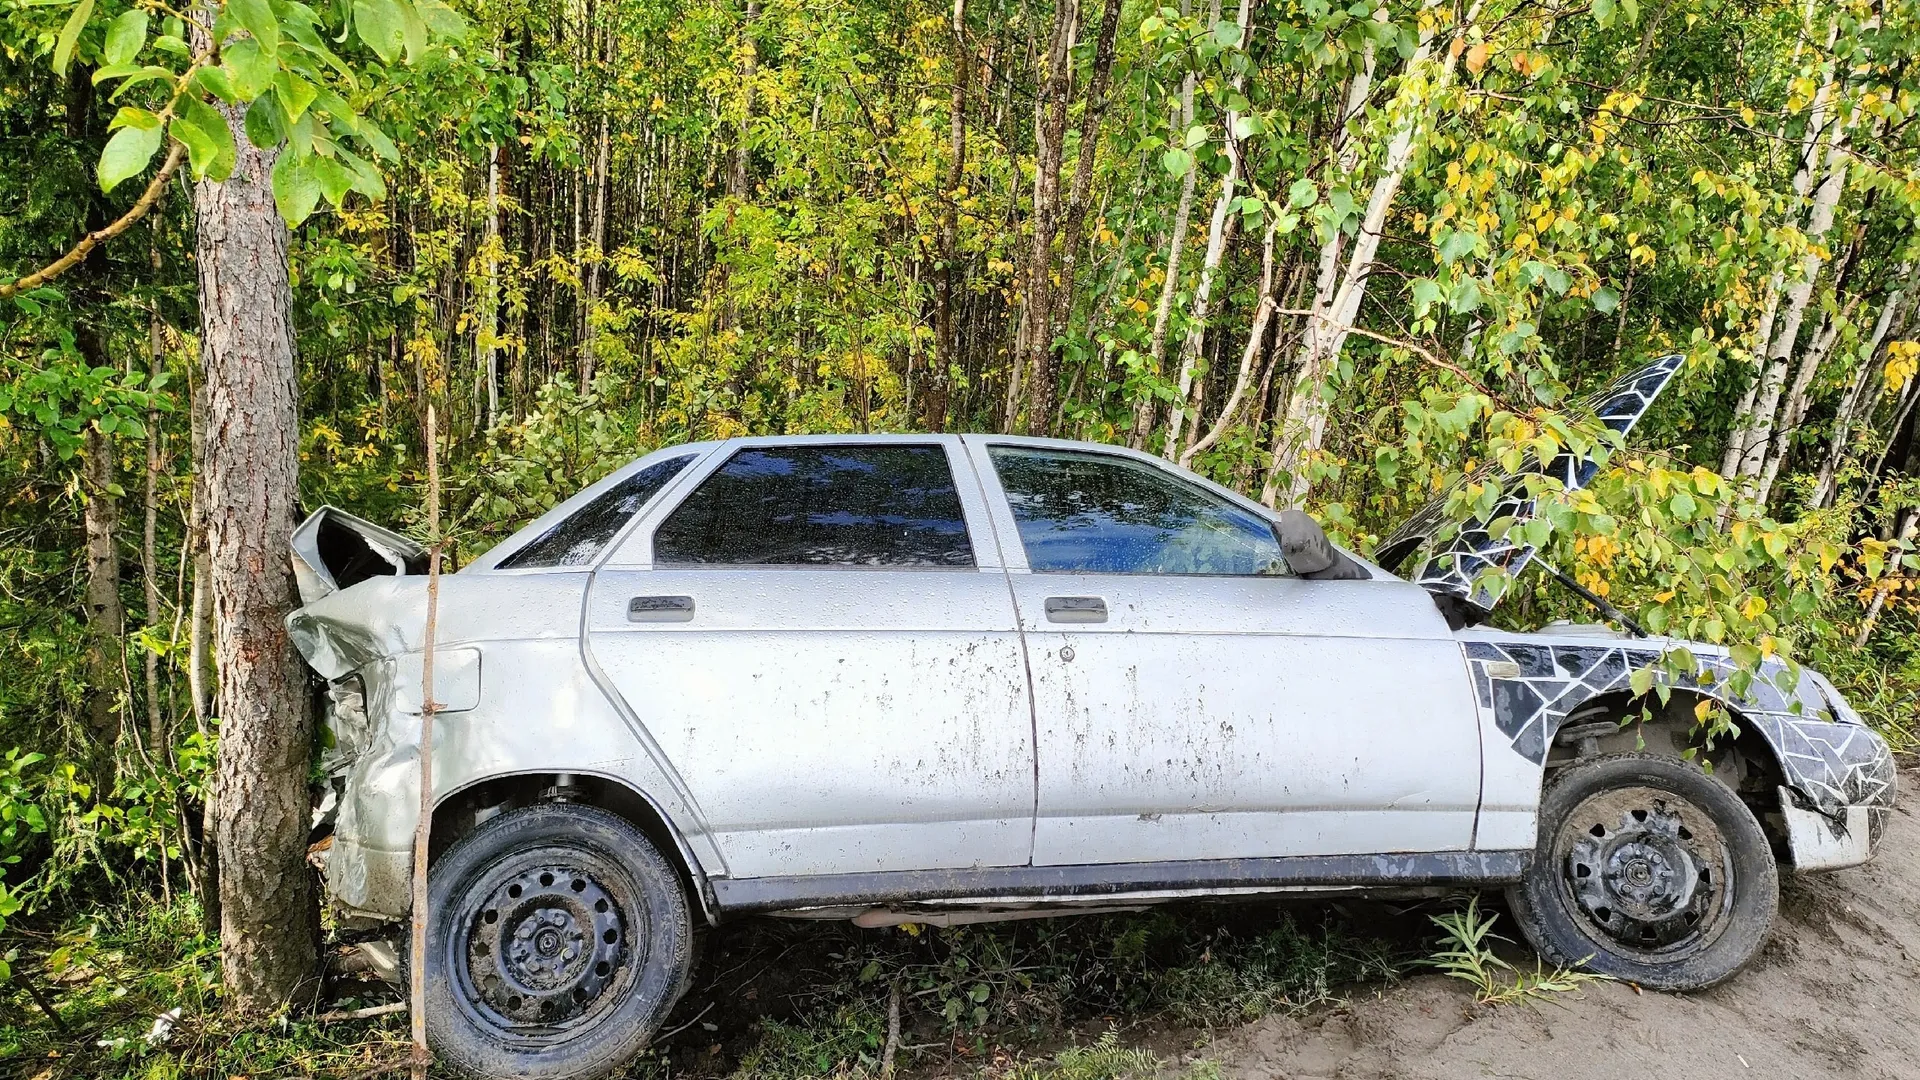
x: 333, y: 549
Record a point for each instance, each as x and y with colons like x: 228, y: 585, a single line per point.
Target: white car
x: 946, y: 678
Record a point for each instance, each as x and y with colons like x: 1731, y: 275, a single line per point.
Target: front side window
x: 1104, y: 514
x: 821, y: 506
x: 579, y: 539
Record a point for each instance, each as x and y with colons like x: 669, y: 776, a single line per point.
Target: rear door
x: 819, y: 637
x: 1194, y: 701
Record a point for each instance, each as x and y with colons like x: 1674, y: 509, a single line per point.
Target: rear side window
x: 1104, y: 514
x: 821, y: 506
x: 579, y: 539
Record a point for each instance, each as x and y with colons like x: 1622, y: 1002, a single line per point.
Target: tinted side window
x: 1103, y: 514
x: 821, y: 506
x: 577, y: 540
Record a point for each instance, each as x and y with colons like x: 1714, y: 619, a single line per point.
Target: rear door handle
x: 1076, y: 609
x: 660, y: 609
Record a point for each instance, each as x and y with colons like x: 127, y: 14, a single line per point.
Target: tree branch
x: 1426, y: 354
x: 93, y: 239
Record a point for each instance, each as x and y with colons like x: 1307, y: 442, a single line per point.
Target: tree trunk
x: 934, y: 402
x: 104, y: 614
x: 1218, y: 228
x: 1298, y: 435
x: 1859, y: 397
x: 149, y: 557
x: 1262, y: 316
x: 1795, y: 409
x: 252, y: 460
x: 1144, y: 408
x: 1049, y: 131
x: 1074, y: 219
x: 1759, y: 435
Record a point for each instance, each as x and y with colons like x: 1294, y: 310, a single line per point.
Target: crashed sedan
x: 955, y: 678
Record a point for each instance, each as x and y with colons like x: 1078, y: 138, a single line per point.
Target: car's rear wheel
x: 1648, y: 870
x: 557, y: 939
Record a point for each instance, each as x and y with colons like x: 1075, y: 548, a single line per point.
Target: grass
x: 774, y: 1000
x: 1466, y: 953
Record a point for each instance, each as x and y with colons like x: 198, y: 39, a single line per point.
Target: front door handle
x: 660, y: 609
x: 1076, y: 609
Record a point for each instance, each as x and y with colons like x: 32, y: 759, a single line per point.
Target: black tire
x: 1648, y: 870
x: 557, y: 940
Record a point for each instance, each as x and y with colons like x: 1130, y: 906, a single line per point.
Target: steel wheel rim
x: 545, y: 945
x: 1647, y: 872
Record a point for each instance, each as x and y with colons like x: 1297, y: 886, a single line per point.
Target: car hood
x: 1453, y: 564
x: 333, y: 550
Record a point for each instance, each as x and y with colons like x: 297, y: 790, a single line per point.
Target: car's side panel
x: 1242, y: 717
x: 536, y: 708
x: 831, y: 719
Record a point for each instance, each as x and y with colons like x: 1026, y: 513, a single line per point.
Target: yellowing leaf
x: 1477, y: 57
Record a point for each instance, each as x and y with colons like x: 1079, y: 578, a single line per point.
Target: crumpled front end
x: 366, y: 642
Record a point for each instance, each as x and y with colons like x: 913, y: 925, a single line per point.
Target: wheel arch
x: 460, y: 811
x: 1747, y: 762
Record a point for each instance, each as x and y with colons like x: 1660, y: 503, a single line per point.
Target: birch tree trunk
x: 1795, y: 408
x: 1298, y: 435
x: 1759, y: 434
x: 1218, y: 227
x: 260, y: 807
x: 1144, y: 408
x: 1262, y: 317
x: 1859, y: 397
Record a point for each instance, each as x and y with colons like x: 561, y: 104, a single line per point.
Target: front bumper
x: 1839, y: 788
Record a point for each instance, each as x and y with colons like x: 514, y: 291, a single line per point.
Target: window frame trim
x: 980, y: 447
x: 634, y: 551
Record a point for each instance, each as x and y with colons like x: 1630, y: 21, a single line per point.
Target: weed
x: 1465, y: 954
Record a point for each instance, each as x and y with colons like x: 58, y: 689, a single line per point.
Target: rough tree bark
x: 1049, y: 131
x: 260, y: 809
x: 104, y: 613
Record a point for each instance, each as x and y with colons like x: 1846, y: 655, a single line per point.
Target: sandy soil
x: 1836, y: 993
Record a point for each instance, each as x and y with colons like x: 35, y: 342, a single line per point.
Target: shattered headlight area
x: 346, y: 724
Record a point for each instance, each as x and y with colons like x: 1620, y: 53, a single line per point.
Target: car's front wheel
x: 1648, y: 870
x: 557, y: 939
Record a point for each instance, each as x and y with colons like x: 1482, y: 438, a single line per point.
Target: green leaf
x: 1176, y: 162
x: 249, y: 67
x: 1196, y: 136
x: 377, y: 139
x: 257, y: 18
x: 413, y: 30
x: 125, y: 36
x: 69, y: 34
x: 214, y: 81
x: 366, y: 179
x: 1641, y: 681
x: 296, y: 190
x: 265, y: 124
x: 335, y: 178
x: 1303, y: 193
x: 1226, y: 34
x: 442, y: 20
x: 1466, y: 296
x: 128, y: 153
x: 382, y: 26
x: 135, y: 118
x: 209, y: 140
x: 295, y: 94
x: 1426, y: 293
x: 1605, y: 300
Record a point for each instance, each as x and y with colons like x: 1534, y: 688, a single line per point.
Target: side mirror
x: 1310, y: 554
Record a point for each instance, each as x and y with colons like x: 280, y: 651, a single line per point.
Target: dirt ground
x: 1836, y: 993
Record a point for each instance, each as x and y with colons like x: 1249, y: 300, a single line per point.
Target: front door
x: 1193, y: 700
x: 820, y: 639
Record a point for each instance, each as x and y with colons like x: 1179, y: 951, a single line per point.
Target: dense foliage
x: 1339, y: 256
